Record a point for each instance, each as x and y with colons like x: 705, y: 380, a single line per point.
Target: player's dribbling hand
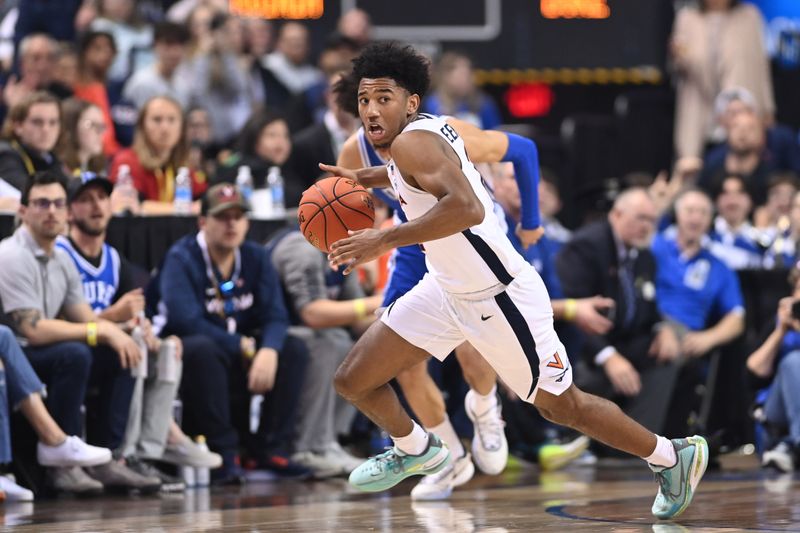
x: 339, y: 171
x: 529, y: 237
x: 360, y: 247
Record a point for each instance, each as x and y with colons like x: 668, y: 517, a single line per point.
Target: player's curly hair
x: 403, y: 64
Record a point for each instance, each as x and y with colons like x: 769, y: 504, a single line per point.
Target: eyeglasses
x: 43, y: 204
x: 98, y: 127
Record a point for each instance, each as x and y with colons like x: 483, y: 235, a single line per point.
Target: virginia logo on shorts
x: 557, y: 363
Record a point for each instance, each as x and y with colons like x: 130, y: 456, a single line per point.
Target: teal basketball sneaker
x: 386, y: 470
x: 676, y: 485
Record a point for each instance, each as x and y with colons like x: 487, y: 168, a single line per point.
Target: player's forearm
x: 452, y: 214
x: 522, y: 153
x: 373, y: 177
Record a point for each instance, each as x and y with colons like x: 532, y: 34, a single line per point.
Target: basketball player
x: 478, y: 289
x: 489, y: 445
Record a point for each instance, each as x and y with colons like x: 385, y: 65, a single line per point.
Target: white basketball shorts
x: 513, y: 330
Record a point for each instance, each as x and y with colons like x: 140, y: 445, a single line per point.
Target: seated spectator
x: 108, y: 284
x: 287, y: 69
x: 222, y: 296
x: 159, y: 150
x: 67, y: 344
x: 696, y: 291
x: 95, y: 54
x: 355, y: 24
x: 37, y: 61
x: 121, y: 19
x: 219, y: 83
x: 747, y: 154
x: 733, y: 239
x: 321, y: 142
x: 634, y: 362
x: 781, y: 141
x: 169, y: 75
x: 202, y: 150
x: 323, y: 306
x: 66, y: 65
x: 264, y: 143
x: 781, y: 188
x: 783, y: 252
x: 549, y: 206
x: 773, y: 371
x: 21, y: 390
x: 455, y: 93
x: 80, y: 146
x: 30, y: 133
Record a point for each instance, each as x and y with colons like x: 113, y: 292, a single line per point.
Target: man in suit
x: 321, y: 141
x: 632, y: 364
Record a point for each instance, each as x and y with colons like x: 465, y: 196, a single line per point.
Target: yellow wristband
x: 360, y: 308
x: 91, y: 333
x: 570, y: 309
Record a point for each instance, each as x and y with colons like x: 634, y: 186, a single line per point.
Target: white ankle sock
x: 447, y: 433
x: 480, y: 403
x: 664, y: 454
x: 414, y: 443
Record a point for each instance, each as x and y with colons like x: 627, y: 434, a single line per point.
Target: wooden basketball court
x: 614, y: 496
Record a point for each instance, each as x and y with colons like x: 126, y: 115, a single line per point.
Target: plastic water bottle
x: 275, y: 185
x: 124, y: 185
x: 140, y: 370
x: 255, y: 412
x: 244, y: 180
x: 188, y: 476
x: 202, y: 475
x: 183, y: 192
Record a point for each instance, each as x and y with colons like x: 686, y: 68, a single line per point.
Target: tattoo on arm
x: 23, y: 317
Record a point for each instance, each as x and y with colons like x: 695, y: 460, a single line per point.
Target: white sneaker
x: 489, y: 445
x: 14, y: 493
x: 439, y: 486
x: 781, y: 457
x: 338, y: 455
x: 72, y: 452
x: 321, y: 466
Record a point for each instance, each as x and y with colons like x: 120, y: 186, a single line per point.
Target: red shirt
x: 154, y: 185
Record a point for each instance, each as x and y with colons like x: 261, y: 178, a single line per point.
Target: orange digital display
x: 278, y: 9
x: 575, y: 9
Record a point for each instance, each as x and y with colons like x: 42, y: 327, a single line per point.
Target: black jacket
x: 17, y: 163
x: 587, y: 266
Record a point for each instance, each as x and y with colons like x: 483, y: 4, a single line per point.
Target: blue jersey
x: 694, y: 290
x: 100, y: 283
x: 739, y: 249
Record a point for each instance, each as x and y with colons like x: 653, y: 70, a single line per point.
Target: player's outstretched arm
x: 367, y: 177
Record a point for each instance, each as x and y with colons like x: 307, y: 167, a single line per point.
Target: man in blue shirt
x: 695, y: 288
x: 222, y: 296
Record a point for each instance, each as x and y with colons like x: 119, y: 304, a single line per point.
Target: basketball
x: 331, y: 207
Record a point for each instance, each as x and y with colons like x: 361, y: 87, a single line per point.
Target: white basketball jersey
x: 476, y: 259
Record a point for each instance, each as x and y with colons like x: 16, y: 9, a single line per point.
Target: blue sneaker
x: 676, y: 485
x: 386, y: 470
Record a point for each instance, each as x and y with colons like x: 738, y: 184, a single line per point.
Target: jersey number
x: 449, y: 133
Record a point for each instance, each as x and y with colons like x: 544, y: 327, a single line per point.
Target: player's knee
x: 566, y: 409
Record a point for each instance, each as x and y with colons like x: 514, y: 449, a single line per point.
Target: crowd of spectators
x: 106, y: 106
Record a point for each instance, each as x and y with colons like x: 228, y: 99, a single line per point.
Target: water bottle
x: 202, y: 475
x: 188, y: 476
x: 275, y: 186
x: 255, y: 412
x: 244, y: 180
x: 183, y: 192
x: 168, y: 361
x: 140, y: 370
x: 124, y: 186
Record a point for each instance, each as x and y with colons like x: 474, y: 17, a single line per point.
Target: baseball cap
x: 221, y: 197
x: 80, y: 183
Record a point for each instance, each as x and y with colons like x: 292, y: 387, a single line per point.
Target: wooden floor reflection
x: 613, y: 497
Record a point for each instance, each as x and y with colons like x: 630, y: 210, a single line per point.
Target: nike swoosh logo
x: 485, y: 318
x: 682, y: 486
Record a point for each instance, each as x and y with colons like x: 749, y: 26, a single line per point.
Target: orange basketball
x: 331, y: 207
